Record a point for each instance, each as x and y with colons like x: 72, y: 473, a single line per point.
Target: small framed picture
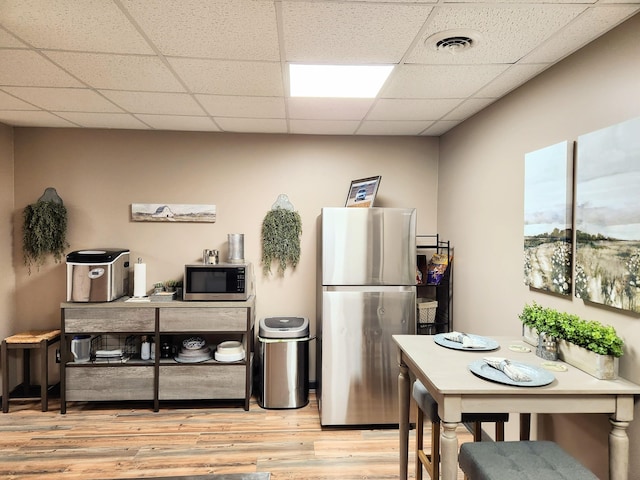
x: 362, y: 193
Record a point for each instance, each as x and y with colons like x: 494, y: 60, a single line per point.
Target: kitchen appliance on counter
x: 209, y: 282
x: 366, y: 294
x: 97, y: 275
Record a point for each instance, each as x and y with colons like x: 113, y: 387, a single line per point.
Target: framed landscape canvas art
x: 171, y: 212
x: 608, y: 216
x: 548, y: 232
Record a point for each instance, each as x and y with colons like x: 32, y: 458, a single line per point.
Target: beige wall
x: 8, y: 320
x: 100, y: 173
x: 480, y: 207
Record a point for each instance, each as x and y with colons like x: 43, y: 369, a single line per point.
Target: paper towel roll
x: 139, y: 279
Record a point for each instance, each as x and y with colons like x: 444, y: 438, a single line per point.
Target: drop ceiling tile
x: 350, y: 32
x: 9, y: 102
x: 511, y: 79
x: 586, y: 28
x: 230, y: 78
x: 328, y: 108
x: 9, y: 41
x: 440, y: 81
x: 64, y: 99
x: 179, y: 122
x: 545, y: 2
x: 103, y: 120
x: 88, y: 26
x: 250, y: 107
x: 221, y: 29
x: 118, y: 72
x: 440, y: 128
x: 468, y: 108
x: 262, y: 125
x: 29, y: 69
x: 323, y: 127
x: 400, y: 1
x: 503, y: 33
x: 392, y: 128
x: 409, y: 109
x: 33, y: 119
x: 155, y: 102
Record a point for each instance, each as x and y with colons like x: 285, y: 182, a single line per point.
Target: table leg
x: 618, y: 450
x: 44, y: 375
x: 525, y: 426
x: 26, y: 371
x: 403, y: 420
x: 449, y: 451
x: 5, y: 377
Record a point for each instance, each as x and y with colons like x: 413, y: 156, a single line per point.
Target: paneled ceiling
x: 221, y: 65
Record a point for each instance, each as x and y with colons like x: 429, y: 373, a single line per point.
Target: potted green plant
x: 170, y: 285
x: 44, y: 232
x: 585, y: 344
x: 281, y: 230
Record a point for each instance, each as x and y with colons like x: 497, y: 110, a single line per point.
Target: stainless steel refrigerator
x: 367, y: 293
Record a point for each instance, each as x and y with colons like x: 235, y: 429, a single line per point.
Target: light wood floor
x: 124, y: 440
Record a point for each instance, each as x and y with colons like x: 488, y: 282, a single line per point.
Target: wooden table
x: 445, y: 374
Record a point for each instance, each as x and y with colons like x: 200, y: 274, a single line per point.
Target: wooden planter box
x: 529, y: 335
x: 604, y: 367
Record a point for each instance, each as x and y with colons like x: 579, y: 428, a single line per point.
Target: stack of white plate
x: 230, y: 351
x: 193, y: 350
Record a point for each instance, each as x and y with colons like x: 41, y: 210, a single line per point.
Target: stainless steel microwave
x: 206, y: 282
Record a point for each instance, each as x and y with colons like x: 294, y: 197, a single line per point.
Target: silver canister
x: 236, y: 247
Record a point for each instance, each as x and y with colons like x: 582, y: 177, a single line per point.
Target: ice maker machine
x: 99, y: 275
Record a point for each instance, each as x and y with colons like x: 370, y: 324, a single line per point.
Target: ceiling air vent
x: 453, y: 41
x: 454, y: 44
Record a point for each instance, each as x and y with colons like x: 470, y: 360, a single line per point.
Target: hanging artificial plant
x: 44, y: 230
x: 281, y: 230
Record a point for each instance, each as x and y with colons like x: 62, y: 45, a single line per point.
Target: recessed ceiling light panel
x: 337, y: 81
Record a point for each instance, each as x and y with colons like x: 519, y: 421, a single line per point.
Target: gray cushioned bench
x: 523, y: 460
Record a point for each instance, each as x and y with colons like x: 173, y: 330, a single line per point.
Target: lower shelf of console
x: 175, y: 382
x: 196, y: 382
x: 109, y: 383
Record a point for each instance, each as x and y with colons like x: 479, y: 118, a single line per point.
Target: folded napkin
x: 109, y: 353
x: 505, y: 366
x: 464, y: 339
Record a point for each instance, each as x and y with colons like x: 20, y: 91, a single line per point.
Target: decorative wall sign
x: 548, y: 221
x: 165, y: 212
x: 362, y: 193
x: 608, y: 216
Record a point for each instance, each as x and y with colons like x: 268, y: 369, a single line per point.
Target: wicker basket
x: 426, y: 310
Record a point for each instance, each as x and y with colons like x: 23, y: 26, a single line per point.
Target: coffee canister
x: 236, y: 247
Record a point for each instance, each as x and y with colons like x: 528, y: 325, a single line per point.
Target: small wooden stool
x: 26, y: 342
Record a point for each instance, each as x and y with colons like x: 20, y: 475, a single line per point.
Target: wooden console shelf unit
x: 159, y: 378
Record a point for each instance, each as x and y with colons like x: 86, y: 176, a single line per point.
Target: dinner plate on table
x: 485, y: 344
x: 539, y: 376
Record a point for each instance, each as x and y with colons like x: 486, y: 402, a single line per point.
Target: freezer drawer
x: 359, y: 368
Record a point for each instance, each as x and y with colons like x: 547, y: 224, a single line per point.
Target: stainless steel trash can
x: 283, y: 359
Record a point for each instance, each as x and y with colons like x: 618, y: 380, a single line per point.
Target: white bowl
x: 229, y: 357
x: 230, y: 347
